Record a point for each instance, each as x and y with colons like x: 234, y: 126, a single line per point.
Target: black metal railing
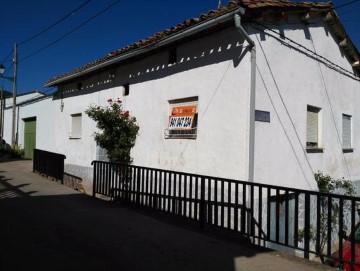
x: 273, y: 216
x: 49, y: 163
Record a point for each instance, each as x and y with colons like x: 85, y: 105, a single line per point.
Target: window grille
x: 183, y: 118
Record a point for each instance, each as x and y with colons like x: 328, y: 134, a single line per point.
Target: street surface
x: 47, y: 226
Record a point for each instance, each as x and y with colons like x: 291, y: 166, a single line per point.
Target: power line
x: 71, y: 31
x: 277, y: 87
x: 346, y: 4
x: 48, y: 28
x: 56, y: 23
x: 331, y: 110
x: 349, y: 11
x: 6, y: 58
x: 310, y: 52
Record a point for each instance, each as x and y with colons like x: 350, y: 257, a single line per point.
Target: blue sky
x: 124, y: 23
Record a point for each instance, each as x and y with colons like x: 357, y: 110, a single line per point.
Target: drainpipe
x: 251, y: 118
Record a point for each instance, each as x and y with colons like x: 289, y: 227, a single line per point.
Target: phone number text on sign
x: 180, y: 123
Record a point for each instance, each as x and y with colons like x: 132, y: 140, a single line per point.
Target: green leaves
x: 326, y: 184
x: 118, y: 130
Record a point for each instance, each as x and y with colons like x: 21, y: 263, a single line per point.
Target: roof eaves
x: 162, y: 38
x: 188, y: 27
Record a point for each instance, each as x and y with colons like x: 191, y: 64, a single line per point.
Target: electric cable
x: 48, y: 28
x: 288, y: 114
x: 71, y: 31
x: 307, y: 50
x: 346, y: 4
x: 349, y: 11
x: 331, y: 110
x: 6, y: 58
x: 56, y: 23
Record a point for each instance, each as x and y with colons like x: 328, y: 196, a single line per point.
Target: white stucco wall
x: 288, y: 81
x: 216, y: 70
x: 36, y: 107
x: 209, y: 70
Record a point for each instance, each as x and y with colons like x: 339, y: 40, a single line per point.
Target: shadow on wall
x: 216, y: 48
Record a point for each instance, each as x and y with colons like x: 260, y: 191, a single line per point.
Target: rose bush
x: 118, y: 130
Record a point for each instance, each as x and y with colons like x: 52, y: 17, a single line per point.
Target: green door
x: 30, y: 138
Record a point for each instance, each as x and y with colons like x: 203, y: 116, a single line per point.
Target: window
x: 183, y: 117
x: 312, y: 127
x: 75, y: 126
x: 346, y: 131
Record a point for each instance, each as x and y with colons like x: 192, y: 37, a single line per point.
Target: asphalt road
x: 47, y: 226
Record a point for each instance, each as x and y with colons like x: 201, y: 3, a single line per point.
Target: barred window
x: 183, y: 117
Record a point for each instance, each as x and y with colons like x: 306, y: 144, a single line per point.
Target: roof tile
x: 248, y: 4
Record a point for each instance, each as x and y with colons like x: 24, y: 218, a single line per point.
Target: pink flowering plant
x: 118, y: 130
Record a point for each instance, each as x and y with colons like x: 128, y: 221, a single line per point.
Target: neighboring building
x: 3, y: 96
x: 33, y: 123
x: 305, y: 80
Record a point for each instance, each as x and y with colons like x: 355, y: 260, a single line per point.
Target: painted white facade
x: 216, y: 70
x: 27, y: 110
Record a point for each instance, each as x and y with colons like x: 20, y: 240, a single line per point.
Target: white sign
x: 180, y: 122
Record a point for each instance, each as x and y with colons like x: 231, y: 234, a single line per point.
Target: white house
x: 271, y: 89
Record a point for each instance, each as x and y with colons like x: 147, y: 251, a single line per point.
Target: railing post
x: 307, y: 226
x: 202, y: 203
x: 138, y: 179
x: 94, y: 177
x: 62, y: 168
x: 35, y: 166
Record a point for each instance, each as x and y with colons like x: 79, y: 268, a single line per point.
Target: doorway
x: 29, y: 137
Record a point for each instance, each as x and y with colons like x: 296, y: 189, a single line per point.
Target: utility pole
x: 13, y: 133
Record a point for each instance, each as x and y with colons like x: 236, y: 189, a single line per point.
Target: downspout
x: 251, y: 118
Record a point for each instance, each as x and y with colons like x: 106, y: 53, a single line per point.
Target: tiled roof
x: 249, y: 5
x: 283, y: 4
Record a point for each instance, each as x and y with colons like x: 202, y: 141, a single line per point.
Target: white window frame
x: 346, y: 131
x: 313, y: 128
x: 76, y: 126
x: 182, y: 133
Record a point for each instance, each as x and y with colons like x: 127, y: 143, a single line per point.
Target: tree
x: 118, y: 130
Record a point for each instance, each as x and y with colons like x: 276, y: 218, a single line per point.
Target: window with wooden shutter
x: 346, y: 131
x: 76, y: 126
x: 312, y: 127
